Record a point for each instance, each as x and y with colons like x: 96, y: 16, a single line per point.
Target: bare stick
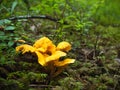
x: 34, y: 17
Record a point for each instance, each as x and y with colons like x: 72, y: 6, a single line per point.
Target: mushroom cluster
x: 49, y: 54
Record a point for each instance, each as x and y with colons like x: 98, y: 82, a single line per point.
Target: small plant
x: 49, y: 55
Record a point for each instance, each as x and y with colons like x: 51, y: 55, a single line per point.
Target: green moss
x: 70, y: 83
x: 12, y: 84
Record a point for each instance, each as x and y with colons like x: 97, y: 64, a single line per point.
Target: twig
x: 37, y: 17
x: 34, y: 17
x: 40, y: 86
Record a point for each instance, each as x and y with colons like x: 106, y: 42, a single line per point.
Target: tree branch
x: 40, y: 86
x: 34, y: 17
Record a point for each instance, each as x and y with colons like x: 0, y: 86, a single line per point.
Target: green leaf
x: 14, y: 4
x: 1, y: 22
x: 3, y: 45
x: 10, y: 28
x: 2, y: 38
x: 5, y: 21
x: 10, y: 43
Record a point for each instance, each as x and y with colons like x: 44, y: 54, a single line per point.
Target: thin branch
x: 37, y: 17
x: 34, y: 17
x: 40, y: 86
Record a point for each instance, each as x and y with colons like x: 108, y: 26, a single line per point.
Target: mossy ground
x: 26, y: 74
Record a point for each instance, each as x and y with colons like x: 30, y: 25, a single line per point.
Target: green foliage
x: 7, y: 39
x: 6, y: 34
x: 109, y: 15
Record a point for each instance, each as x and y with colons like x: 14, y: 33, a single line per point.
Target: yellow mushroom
x: 64, y: 46
x: 64, y: 62
x: 48, y: 54
x: 25, y: 48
